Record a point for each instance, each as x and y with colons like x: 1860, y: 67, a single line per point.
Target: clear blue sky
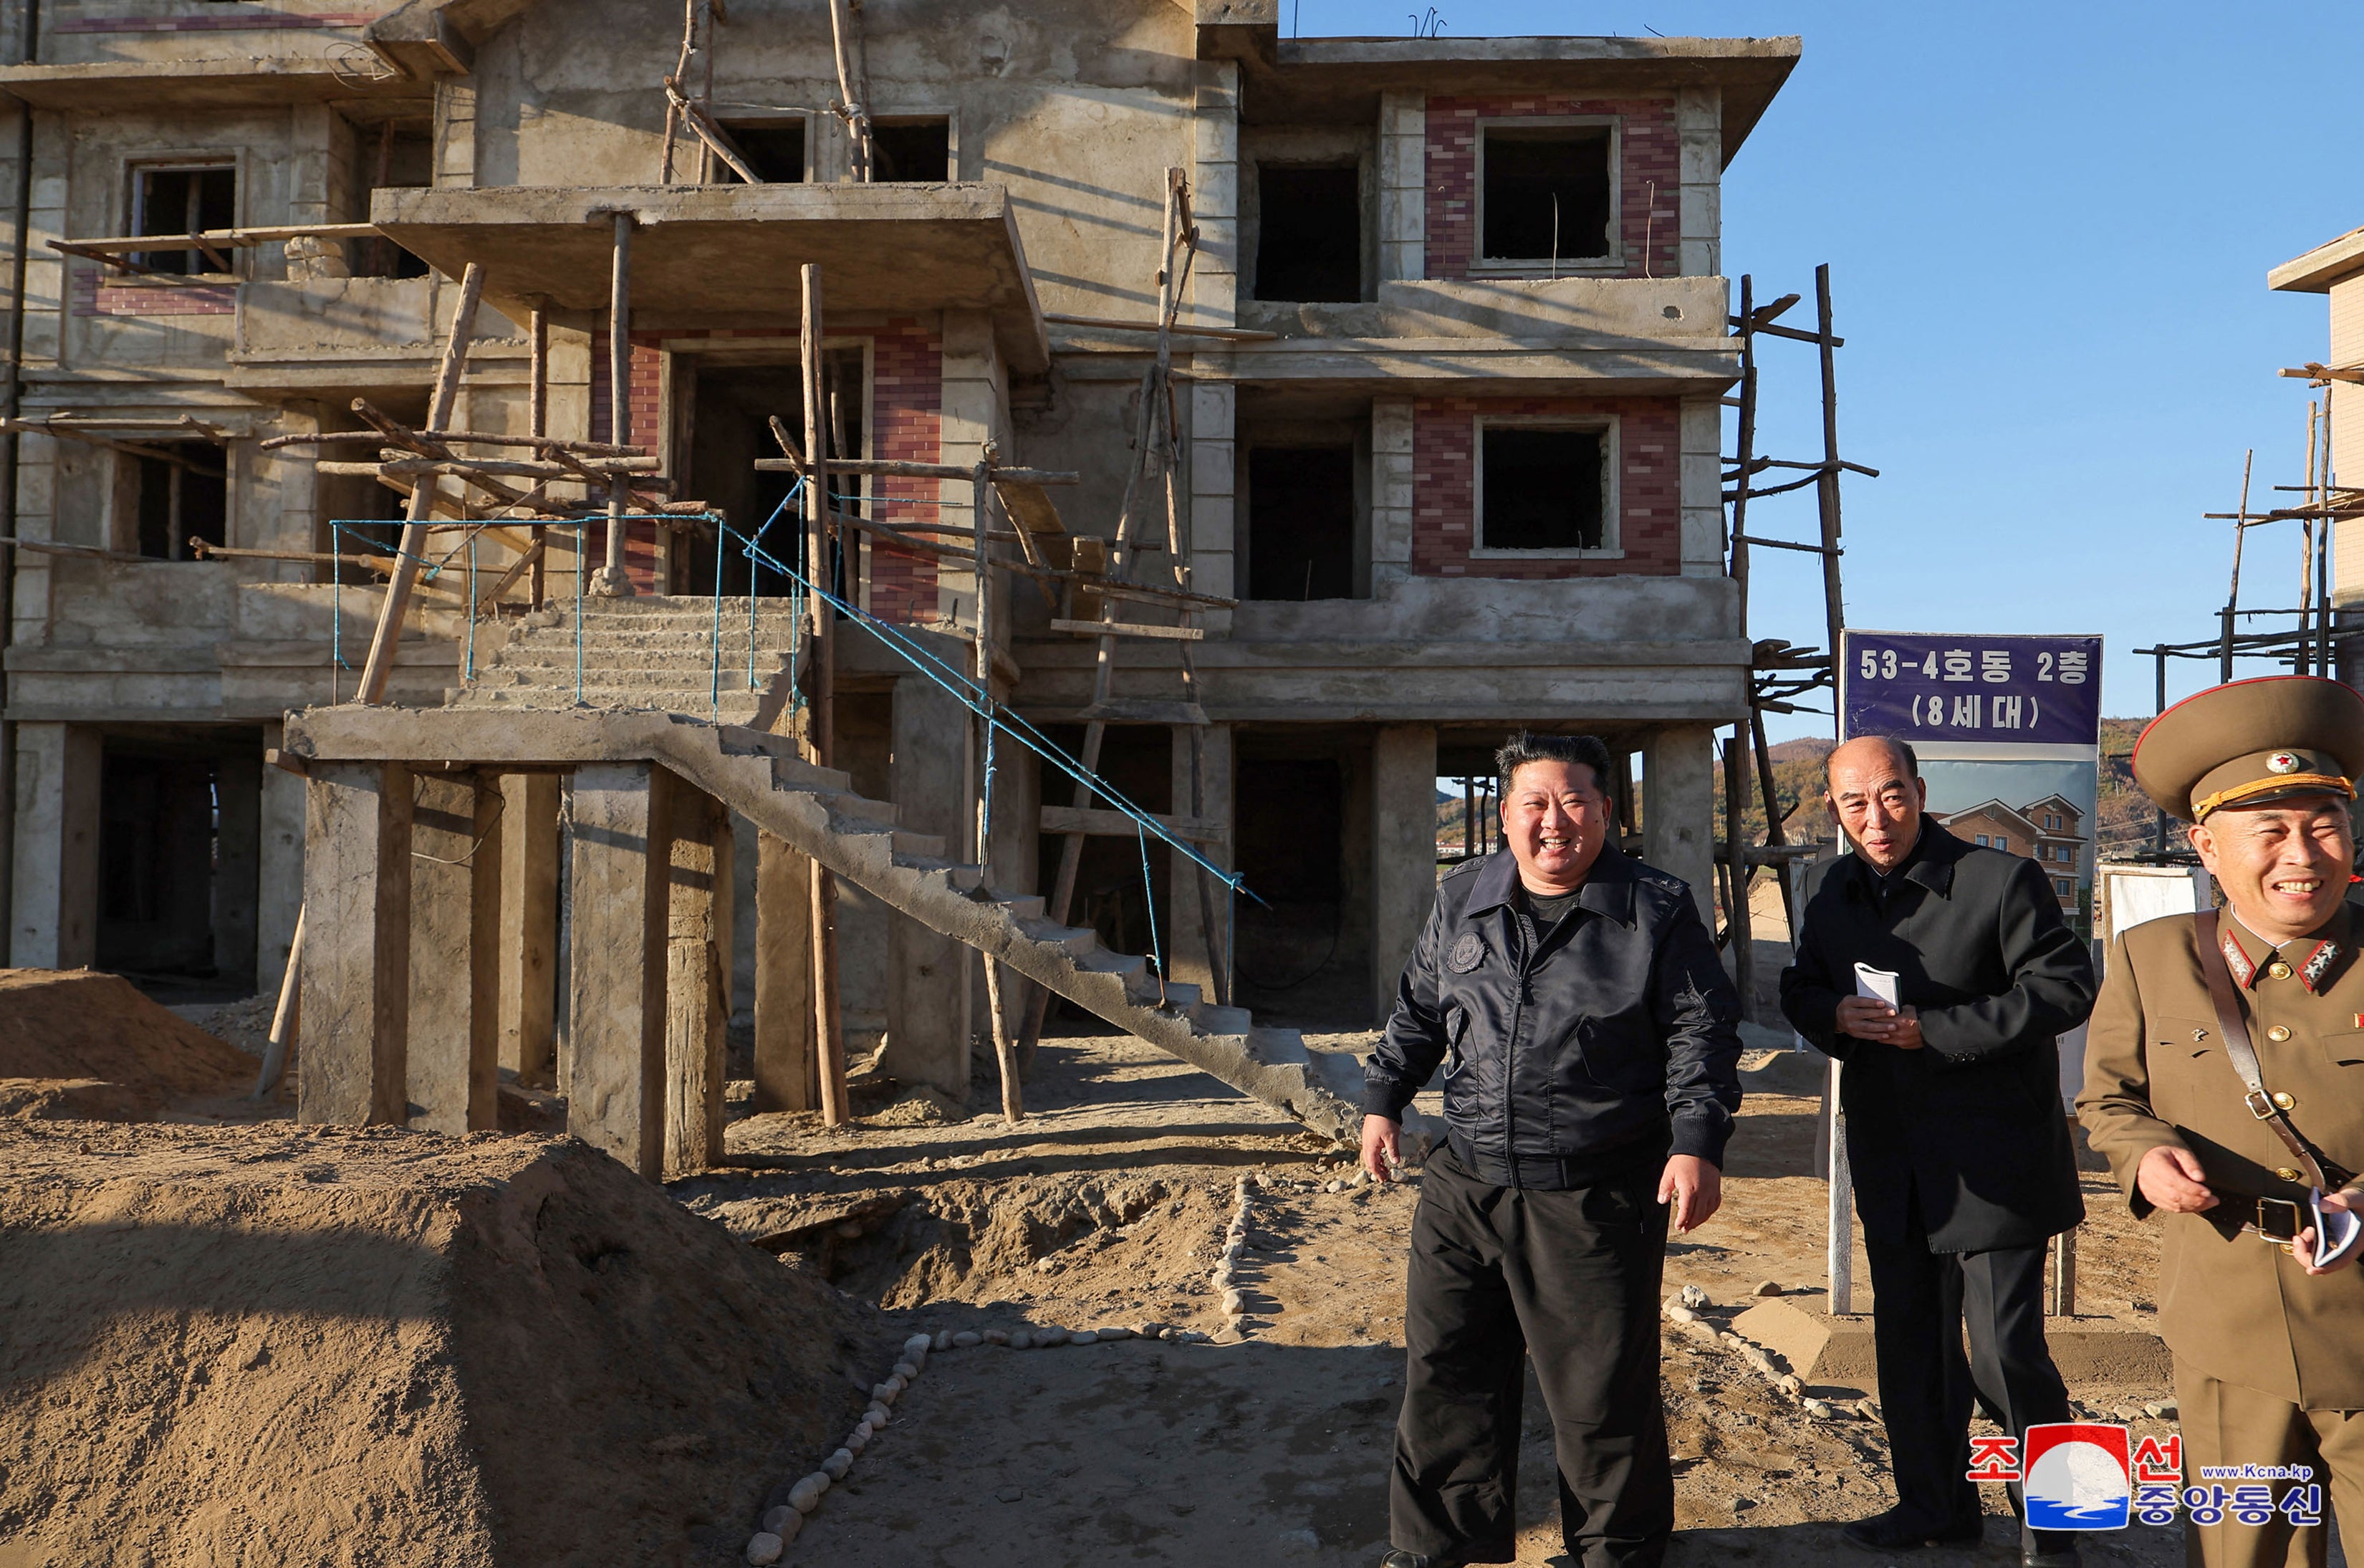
x: 2048, y: 230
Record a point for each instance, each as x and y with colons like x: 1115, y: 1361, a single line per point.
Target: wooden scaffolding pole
x: 1005, y: 1049
x: 610, y: 581
x: 822, y: 719
x: 1735, y: 755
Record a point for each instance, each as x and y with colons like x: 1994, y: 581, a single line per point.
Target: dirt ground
x: 1108, y: 1206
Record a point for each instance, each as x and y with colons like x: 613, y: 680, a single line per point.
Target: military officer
x: 2224, y: 1081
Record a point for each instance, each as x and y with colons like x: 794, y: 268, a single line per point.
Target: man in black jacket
x: 1589, y: 1044
x: 1955, y: 1130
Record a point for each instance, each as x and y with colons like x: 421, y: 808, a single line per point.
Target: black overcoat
x: 1970, y: 1126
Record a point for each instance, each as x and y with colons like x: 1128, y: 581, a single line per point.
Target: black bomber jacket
x: 1615, y: 1038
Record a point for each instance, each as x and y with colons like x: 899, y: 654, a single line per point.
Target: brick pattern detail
x: 92, y: 296
x: 235, y: 22
x: 1650, y: 153
x: 1650, y: 520
x: 906, y: 422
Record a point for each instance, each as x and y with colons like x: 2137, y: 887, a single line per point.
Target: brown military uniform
x: 2270, y: 1362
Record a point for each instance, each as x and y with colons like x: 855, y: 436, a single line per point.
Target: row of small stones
x: 1685, y: 1310
x: 782, y: 1523
x: 1235, y: 1241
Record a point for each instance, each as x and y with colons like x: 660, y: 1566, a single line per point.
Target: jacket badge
x: 1466, y: 954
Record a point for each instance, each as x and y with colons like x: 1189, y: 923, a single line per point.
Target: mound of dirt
x: 79, y: 1045
x: 369, y: 1346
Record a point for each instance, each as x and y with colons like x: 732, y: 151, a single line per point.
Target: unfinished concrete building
x: 1447, y: 369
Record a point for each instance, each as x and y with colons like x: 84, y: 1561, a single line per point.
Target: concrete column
x: 1678, y: 808
x: 356, y: 972
x: 1701, y: 477
x: 1404, y: 851
x: 1404, y: 187
x: 1214, y: 506
x: 280, y: 878
x: 452, y: 1069
x: 1193, y: 949
x: 1215, y: 197
x: 1698, y: 126
x: 697, y: 979
x: 1014, y: 867
x: 1391, y: 492
x: 974, y: 411
x: 929, y: 975
x: 786, y: 1066
x: 529, y: 963
x: 237, y: 861
x: 55, y: 922
x: 618, y: 920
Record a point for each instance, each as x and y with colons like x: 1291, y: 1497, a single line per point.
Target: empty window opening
x: 183, y: 201
x: 1310, y: 233
x: 774, y: 149
x: 1110, y: 896
x: 916, y: 151
x: 180, y: 495
x: 157, y: 827
x: 1302, y: 523
x: 1547, y: 193
x: 730, y: 414
x: 1542, y: 489
x: 400, y: 156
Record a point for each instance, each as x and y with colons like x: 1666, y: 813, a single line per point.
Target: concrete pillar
x: 1214, y: 200
x: 929, y: 975
x: 618, y: 917
x: 1391, y: 492
x: 55, y: 922
x: 1404, y: 851
x: 1404, y: 187
x: 697, y: 979
x: 356, y: 971
x: 528, y: 972
x: 973, y: 411
x: 1678, y: 808
x: 278, y: 892
x: 1701, y: 478
x: 1014, y: 866
x: 1193, y: 950
x: 456, y: 930
x: 786, y: 1066
x: 1214, y: 504
x: 1698, y: 126
x: 237, y: 862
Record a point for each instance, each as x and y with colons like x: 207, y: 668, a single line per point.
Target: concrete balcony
x: 333, y: 337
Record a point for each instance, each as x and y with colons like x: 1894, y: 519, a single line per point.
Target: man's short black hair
x: 1903, y: 748
x: 1524, y: 747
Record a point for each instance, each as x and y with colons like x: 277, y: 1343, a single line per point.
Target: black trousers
x: 1922, y: 1302
x: 1571, y: 1278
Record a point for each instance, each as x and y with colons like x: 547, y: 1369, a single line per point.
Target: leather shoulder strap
x: 2318, y: 1171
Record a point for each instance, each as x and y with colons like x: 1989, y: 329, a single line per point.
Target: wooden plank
x: 1101, y: 824
x: 1123, y: 628
x: 1029, y: 506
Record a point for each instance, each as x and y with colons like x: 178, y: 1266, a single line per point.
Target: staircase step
x: 1022, y: 906
x: 1222, y: 1020
x: 1279, y: 1047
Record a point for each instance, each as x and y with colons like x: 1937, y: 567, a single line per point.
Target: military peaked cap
x: 2251, y: 742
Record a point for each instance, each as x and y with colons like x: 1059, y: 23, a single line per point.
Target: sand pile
x: 346, y: 1346
x: 81, y: 1045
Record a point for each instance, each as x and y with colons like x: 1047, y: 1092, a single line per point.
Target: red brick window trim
x: 1612, y: 542
x: 1612, y: 263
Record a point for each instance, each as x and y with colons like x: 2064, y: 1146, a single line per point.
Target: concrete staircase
x: 653, y: 653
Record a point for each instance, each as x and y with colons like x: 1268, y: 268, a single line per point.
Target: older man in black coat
x: 1956, y: 1133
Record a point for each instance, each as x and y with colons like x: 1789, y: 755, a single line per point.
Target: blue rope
x: 715, y: 695
x: 578, y: 613
x: 1149, y: 894
x: 985, y: 828
x: 980, y: 702
x: 472, y: 609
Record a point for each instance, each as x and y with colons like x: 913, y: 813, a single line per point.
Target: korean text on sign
x: 1921, y: 686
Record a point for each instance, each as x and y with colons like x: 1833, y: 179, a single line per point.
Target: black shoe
x: 1893, y: 1532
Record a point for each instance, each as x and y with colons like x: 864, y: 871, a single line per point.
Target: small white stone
x: 916, y: 1348
x: 1766, y: 1287
x: 942, y: 1341
x: 1084, y: 1337
x: 906, y: 1372
x: 1788, y: 1382
x: 838, y: 1464
x: 1678, y: 1312
x: 885, y: 1393
x: 995, y: 1336
x: 764, y: 1547
x: 1334, y: 1186
x: 858, y: 1438
x: 966, y: 1339
x: 789, y: 1527
x: 1817, y: 1409
x: 1694, y: 1297
x: 1049, y: 1336
x: 805, y: 1495
x: 1114, y: 1332
x: 876, y: 1417
x: 776, y: 1520
x: 1020, y: 1341
x: 1235, y: 1303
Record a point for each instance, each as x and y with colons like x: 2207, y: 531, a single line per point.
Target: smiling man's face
x: 2284, y: 867
x: 1554, y: 818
